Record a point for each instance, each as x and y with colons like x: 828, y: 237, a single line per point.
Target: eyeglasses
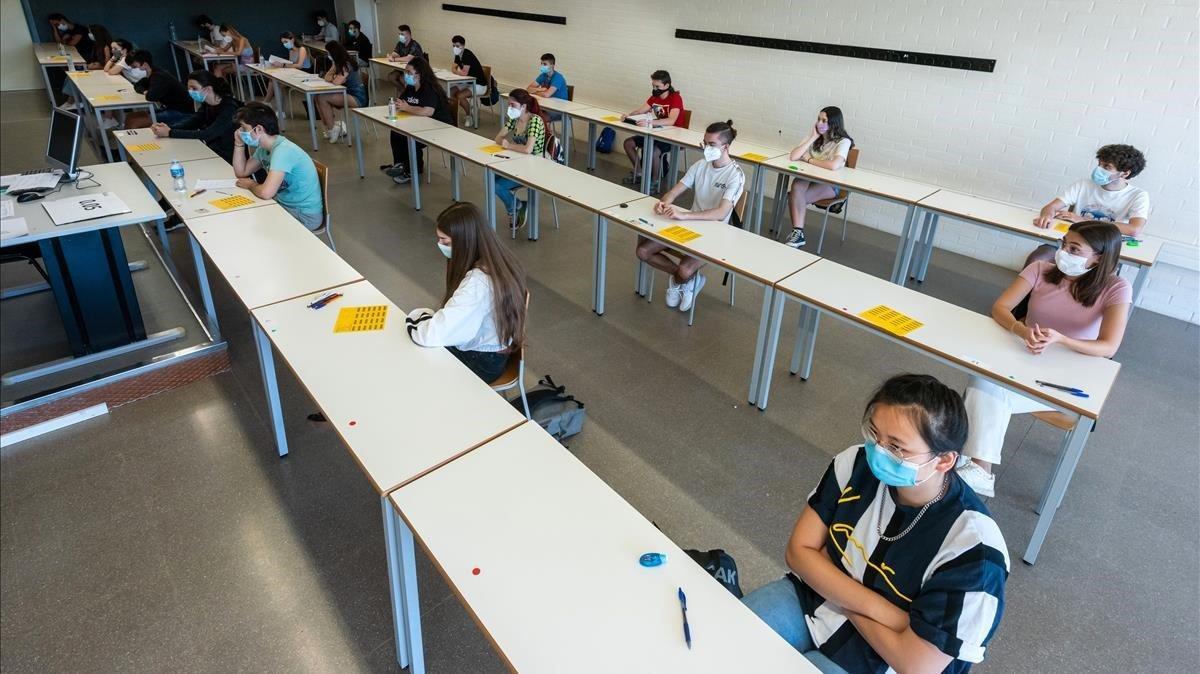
x: 869, y: 436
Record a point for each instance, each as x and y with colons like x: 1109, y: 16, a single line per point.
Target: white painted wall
x: 1071, y: 75
x: 20, y: 69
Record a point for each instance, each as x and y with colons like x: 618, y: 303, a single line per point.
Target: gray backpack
x: 553, y: 409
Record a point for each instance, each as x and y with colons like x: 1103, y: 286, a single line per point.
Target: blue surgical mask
x: 410, y: 80
x: 248, y: 139
x: 197, y: 96
x: 445, y: 249
x: 351, y: 32
x: 1101, y: 177
x: 403, y: 38
x: 891, y: 469
x: 288, y: 44
x: 544, y: 69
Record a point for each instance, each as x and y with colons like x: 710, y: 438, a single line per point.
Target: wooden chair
x: 326, y: 227
x: 838, y: 203
x: 514, y: 371
x: 487, y: 95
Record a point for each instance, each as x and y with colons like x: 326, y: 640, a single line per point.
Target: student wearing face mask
x: 717, y: 183
x: 666, y: 107
x: 1077, y: 302
x: 297, y: 55
x: 1106, y: 195
x: 344, y: 71
x: 171, y: 97
x: 213, y: 122
x: 210, y: 29
x: 467, y: 64
x: 421, y: 96
x: 894, y: 564
x: 525, y: 131
x: 291, y: 176
x: 482, y: 319
x: 356, y: 41
x: 549, y: 83
x: 101, y: 50
x: 327, y: 31
x: 827, y: 146
x: 71, y: 34
x: 118, y: 49
x: 232, y: 42
x: 405, y: 50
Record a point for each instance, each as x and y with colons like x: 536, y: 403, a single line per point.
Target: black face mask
x: 658, y: 92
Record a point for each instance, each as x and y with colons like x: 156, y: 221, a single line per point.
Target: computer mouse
x: 26, y: 197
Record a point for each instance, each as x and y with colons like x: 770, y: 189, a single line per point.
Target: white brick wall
x: 1071, y: 75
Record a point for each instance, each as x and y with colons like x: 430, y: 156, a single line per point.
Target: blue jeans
x: 504, y: 191
x: 779, y: 607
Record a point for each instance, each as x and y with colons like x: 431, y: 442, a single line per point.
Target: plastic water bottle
x: 391, y: 108
x: 171, y: 29
x: 62, y: 50
x: 180, y: 183
x: 70, y: 62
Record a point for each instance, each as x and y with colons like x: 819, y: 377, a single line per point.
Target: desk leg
x: 927, y: 250
x: 312, y: 119
x: 414, y: 172
x: 175, y: 60
x: 674, y: 165
x: 918, y: 248
x: 600, y: 264
x: 401, y: 558
x: 278, y: 103
x: 647, y: 162
x: 455, y: 186
x: 489, y: 196
x: 764, y: 321
x: 103, y: 135
x: 1071, y: 451
x: 161, y: 226
x: 371, y: 85
x: 266, y: 362
x: 534, y: 210
x: 346, y: 114
x: 49, y: 88
x: 591, y: 152
x: 806, y: 342
x: 210, y: 311
x: 568, y: 132
x: 358, y: 149
x: 903, y: 247
x: 1139, y: 283
x: 781, y: 184
x: 770, y: 347
x: 760, y: 187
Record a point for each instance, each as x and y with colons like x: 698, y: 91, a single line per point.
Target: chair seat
x: 833, y: 205
x: 1059, y: 420
x: 512, y: 372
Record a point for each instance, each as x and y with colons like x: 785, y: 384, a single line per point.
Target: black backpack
x: 720, y: 565
x: 494, y: 94
x: 553, y: 409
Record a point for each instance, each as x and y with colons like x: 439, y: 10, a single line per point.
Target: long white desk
x: 145, y: 149
x: 405, y: 124
x: 544, y: 556
x: 55, y: 55
x: 448, y: 80
x: 194, y: 49
x: 1016, y: 220
x: 307, y: 84
x: 211, y: 202
x: 100, y: 92
x: 957, y: 337
x: 611, y: 118
x: 471, y: 147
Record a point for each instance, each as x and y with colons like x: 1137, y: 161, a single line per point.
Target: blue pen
x: 644, y: 221
x: 1078, y: 393
x: 687, y: 631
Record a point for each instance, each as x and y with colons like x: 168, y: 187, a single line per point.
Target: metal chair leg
x: 732, y: 288
x: 824, y: 223
x: 845, y: 216
x: 554, y: 205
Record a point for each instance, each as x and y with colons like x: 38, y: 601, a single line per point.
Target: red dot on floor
x: 353, y: 423
x: 475, y: 571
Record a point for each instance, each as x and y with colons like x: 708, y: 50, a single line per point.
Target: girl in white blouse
x: 827, y: 146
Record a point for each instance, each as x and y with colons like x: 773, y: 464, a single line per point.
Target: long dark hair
x: 102, y: 39
x: 474, y: 245
x: 342, y: 62
x: 531, y: 104
x: 205, y: 78
x: 428, y: 79
x: 837, y: 126
x: 935, y: 410
x: 1105, y: 240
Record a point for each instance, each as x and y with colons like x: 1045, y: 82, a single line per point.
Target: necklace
x: 927, y: 506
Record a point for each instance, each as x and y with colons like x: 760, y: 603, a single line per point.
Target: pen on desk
x: 1079, y: 393
x: 502, y: 156
x: 197, y: 193
x: 324, y: 300
x: 687, y: 631
x: 644, y: 221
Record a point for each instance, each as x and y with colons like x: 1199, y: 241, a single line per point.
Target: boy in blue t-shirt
x: 549, y: 84
x: 291, y: 175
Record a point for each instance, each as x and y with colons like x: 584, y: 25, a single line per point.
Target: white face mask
x: 91, y: 36
x: 446, y: 250
x: 62, y: 26
x: 457, y: 51
x: 514, y: 113
x: 321, y: 22
x: 1070, y: 265
x: 137, y: 73
x: 226, y: 39
x: 711, y: 153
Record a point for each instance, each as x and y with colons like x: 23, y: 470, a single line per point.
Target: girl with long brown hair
x: 482, y: 319
x: 524, y: 130
x: 1078, y: 302
x: 343, y: 71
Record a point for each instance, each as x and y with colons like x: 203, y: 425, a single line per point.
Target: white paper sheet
x: 12, y: 228
x: 215, y: 184
x: 7, y: 209
x: 87, y: 207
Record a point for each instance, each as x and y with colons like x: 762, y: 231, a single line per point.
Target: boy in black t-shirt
x: 421, y: 96
x: 466, y: 63
x: 158, y: 87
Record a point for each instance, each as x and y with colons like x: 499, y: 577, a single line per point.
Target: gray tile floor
x: 167, y: 535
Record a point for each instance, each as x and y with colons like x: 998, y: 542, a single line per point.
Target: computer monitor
x: 62, y: 147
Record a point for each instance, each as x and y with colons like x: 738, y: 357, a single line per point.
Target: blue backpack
x: 605, y: 142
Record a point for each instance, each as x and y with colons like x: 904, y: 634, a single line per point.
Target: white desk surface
x: 170, y: 149
x: 314, y: 44
x: 970, y: 340
x: 193, y: 47
x: 604, y: 116
x: 692, y: 138
x: 857, y: 180
x: 560, y: 104
x: 405, y: 122
x: 445, y: 76
x: 297, y: 78
x: 578, y: 187
x: 47, y: 54
x: 117, y: 178
x: 267, y: 256
x: 383, y: 61
x: 559, y: 587
x: 464, y: 144
x: 1019, y: 219
x: 738, y: 250
x: 190, y: 208
x: 392, y: 402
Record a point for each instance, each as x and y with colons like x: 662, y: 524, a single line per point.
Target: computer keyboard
x: 36, y: 171
x: 43, y: 180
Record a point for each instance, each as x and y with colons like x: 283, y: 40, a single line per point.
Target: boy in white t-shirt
x: 717, y: 183
x: 1106, y: 195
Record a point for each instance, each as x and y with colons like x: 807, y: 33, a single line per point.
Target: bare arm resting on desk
x: 1036, y: 338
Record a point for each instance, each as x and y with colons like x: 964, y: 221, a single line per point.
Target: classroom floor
x: 168, y: 535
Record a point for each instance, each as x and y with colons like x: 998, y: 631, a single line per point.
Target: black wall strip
x: 874, y: 54
x: 504, y: 14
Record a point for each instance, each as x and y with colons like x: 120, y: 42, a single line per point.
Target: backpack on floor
x: 606, y: 140
x: 494, y: 96
x: 720, y: 565
x: 553, y: 409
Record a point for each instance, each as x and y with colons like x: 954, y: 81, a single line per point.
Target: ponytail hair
x: 728, y: 133
x: 205, y: 78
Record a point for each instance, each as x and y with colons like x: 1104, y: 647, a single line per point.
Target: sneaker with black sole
x: 172, y: 225
x: 796, y: 239
x: 522, y: 213
x: 632, y: 179
x: 402, y: 179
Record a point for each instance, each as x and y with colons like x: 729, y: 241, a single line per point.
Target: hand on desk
x: 1038, y: 338
x: 663, y: 208
x: 1069, y: 216
x: 245, y: 183
x: 160, y: 130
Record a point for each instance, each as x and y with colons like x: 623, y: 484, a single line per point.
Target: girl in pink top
x: 1078, y: 302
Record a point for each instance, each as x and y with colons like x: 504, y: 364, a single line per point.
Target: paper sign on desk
x: 754, y: 156
x: 107, y: 97
x: 144, y: 147
x: 679, y: 234
x: 234, y: 201
x: 215, y: 183
x: 611, y: 118
x: 66, y: 210
x: 491, y: 149
x: 891, y: 320
x: 361, y: 319
x: 12, y: 228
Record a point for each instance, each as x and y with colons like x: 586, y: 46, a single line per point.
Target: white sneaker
x: 690, y: 290
x: 345, y: 131
x: 674, y: 292
x: 983, y: 482
x: 110, y: 123
x: 334, y: 133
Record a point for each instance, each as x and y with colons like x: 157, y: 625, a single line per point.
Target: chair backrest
x: 570, y: 92
x: 852, y: 158
x: 323, y: 178
x: 739, y: 208
x: 685, y: 119
x: 487, y: 75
